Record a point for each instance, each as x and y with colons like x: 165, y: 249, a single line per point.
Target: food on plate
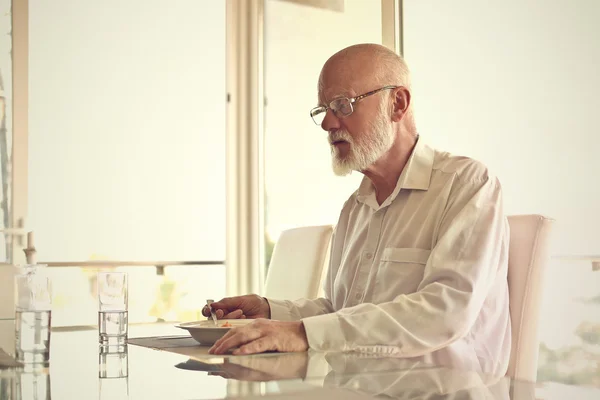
x: 226, y: 325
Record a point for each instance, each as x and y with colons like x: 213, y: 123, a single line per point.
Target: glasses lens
x: 318, y: 115
x: 342, y: 107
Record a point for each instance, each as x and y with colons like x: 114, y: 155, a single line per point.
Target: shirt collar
x: 416, y: 175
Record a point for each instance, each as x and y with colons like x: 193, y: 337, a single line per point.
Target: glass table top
x: 78, y: 370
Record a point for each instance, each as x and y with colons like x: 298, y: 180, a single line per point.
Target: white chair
x: 528, y: 257
x: 298, y: 262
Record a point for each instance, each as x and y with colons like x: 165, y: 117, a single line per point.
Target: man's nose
x: 330, y: 122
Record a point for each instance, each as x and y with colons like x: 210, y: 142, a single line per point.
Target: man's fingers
x: 222, y: 314
x: 227, y: 334
x: 218, y: 305
x: 236, y: 338
x: 265, y: 343
x: 234, y: 314
x: 226, y: 342
x: 228, y: 303
x: 224, y: 307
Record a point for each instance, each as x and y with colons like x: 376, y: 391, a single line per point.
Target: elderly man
x: 420, y: 252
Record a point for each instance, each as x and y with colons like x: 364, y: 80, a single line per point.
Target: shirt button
x: 357, y: 296
x: 369, y: 256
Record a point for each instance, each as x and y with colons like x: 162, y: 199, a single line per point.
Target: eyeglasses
x: 342, y: 106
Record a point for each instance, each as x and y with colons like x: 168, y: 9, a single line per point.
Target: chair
x: 298, y: 262
x: 527, y: 260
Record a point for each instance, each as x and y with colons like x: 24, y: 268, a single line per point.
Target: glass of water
x: 33, y: 314
x: 112, y: 308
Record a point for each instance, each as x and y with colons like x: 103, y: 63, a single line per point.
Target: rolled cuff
x: 324, y: 333
x: 282, y: 310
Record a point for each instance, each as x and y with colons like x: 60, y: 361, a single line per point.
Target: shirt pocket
x: 400, y: 271
x: 405, y: 255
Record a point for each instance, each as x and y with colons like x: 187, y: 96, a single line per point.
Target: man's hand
x: 249, y: 306
x: 263, y: 335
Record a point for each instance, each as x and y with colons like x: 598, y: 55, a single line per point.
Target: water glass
x: 112, y: 308
x: 33, y: 314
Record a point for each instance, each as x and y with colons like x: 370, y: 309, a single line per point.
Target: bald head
x: 364, y: 67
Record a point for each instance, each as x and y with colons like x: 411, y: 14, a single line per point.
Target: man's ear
x: 400, y: 101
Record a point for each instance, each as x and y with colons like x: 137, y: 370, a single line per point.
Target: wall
x: 516, y: 86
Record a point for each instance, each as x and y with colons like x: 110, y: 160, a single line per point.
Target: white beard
x: 366, y: 148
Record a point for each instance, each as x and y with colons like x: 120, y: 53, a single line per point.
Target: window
x: 127, y: 145
x: 301, y: 188
x: 570, y: 324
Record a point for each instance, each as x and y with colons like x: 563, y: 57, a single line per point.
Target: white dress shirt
x: 424, y: 274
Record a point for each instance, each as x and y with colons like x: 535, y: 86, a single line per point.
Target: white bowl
x: 206, y: 333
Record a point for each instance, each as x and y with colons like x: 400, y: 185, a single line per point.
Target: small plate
x: 206, y: 333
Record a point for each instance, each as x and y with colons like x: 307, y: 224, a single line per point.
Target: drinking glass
x: 112, y: 308
x: 33, y: 314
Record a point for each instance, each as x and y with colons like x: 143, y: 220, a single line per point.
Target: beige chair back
x: 528, y: 257
x: 297, y: 263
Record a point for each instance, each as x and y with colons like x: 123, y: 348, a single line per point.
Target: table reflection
x: 406, y: 379
x: 270, y: 367
x: 369, y: 375
x: 80, y: 369
x: 30, y: 382
x: 114, y: 388
x: 113, y: 372
x: 113, y: 362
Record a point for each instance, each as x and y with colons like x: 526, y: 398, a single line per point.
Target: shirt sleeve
x: 468, y: 256
x: 285, y: 310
